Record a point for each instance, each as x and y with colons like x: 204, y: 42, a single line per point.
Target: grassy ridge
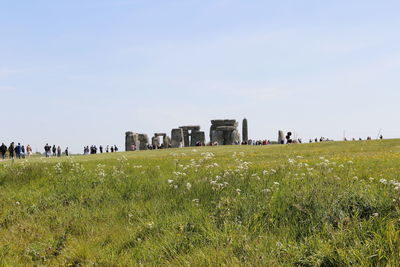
x: 326, y: 204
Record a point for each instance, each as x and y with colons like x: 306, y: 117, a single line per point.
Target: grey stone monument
x: 281, y: 137
x: 143, y: 141
x: 166, y: 140
x: 192, y: 135
x: 155, y: 142
x: 177, y: 138
x: 224, y: 132
x: 245, y: 134
x: 139, y: 141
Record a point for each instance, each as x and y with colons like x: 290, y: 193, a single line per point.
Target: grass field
x: 326, y: 204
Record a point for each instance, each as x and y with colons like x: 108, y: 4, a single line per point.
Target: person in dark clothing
x: 54, y: 151
x: 18, y: 151
x: 47, y: 149
x: 288, y: 138
x: 112, y: 149
x: 23, y: 152
x: 3, y: 151
x: 101, y: 149
x: 115, y: 148
x: 11, y: 150
x: 66, y: 152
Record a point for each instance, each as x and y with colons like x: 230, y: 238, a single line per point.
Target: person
x: 3, y: 151
x: 18, y: 151
x: 112, y: 149
x: 115, y: 148
x: 47, y: 149
x: 107, y: 148
x: 58, y: 151
x: 381, y: 137
x: 66, y: 152
x: 11, y: 150
x: 101, y: 149
x: 23, y: 151
x: 29, y: 150
x: 54, y: 150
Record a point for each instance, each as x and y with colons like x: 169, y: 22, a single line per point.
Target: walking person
x: 47, y: 149
x: 29, y: 150
x: 18, y: 151
x: 66, y: 152
x: 54, y: 150
x: 3, y: 151
x: 23, y: 151
x: 11, y: 150
x: 58, y: 151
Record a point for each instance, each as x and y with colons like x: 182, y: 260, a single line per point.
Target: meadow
x: 325, y: 204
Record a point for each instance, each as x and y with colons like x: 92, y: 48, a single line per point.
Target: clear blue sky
x: 83, y: 72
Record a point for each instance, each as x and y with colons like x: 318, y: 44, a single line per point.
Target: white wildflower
x: 266, y: 190
x: 188, y: 186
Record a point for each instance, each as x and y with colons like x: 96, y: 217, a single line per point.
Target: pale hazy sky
x: 83, y: 72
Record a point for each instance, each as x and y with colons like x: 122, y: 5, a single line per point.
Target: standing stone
x: 217, y: 137
x: 177, y: 138
x: 235, y: 137
x: 143, y: 141
x: 281, y: 137
x: 167, y: 141
x: 224, y: 132
x: 197, y: 136
x: 245, y: 131
x: 189, y: 134
x: 155, y: 141
x: 128, y: 141
x: 131, y: 140
x: 186, y: 138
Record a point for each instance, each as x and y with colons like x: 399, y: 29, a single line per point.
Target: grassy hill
x: 326, y: 204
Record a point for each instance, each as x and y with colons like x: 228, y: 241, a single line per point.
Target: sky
x: 83, y: 72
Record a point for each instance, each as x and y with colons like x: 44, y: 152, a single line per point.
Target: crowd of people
x: 15, y: 151
x: 54, y: 151
x: 93, y: 149
x: 20, y: 151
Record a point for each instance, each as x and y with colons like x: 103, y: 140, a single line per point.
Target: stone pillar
x: 201, y: 136
x: 281, y: 137
x: 177, y: 138
x: 143, y: 141
x: 217, y: 136
x: 186, y: 138
x: 167, y: 141
x: 197, y: 136
x: 155, y: 141
x: 128, y: 141
x: 245, y: 131
x: 235, y: 137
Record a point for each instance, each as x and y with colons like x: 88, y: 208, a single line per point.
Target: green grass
x: 326, y: 204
